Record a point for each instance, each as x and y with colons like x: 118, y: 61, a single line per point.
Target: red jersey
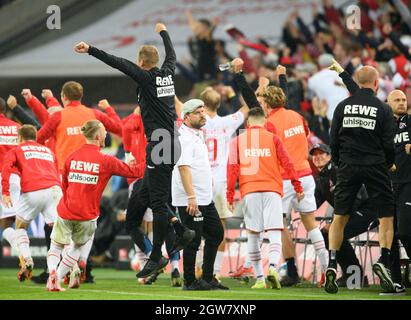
x: 37, y: 165
x: 86, y: 174
x: 134, y: 139
x: 8, y: 136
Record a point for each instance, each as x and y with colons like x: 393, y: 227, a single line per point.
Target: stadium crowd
x: 287, y: 91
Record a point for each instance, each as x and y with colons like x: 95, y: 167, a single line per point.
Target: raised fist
x: 237, y: 65
x: 46, y: 93
x: 336, y: 67
x: 103, y: 104
x: 26, y: 93
x: 160, y: 27
x: 81, y: 47
x: 12, y: 102
x: 281, y: 70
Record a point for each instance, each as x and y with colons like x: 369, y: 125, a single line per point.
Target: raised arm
x: 126, y: 66
x: 345, y: 76
x: 20, y: 114
x: 170, y: 60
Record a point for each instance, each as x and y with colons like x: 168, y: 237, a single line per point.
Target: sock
x: 69, y: 260
x: 175, y: 261
x: 148, y: 245
x: 53, y: 256
x: 386, y: 257
x: 10, y: 235
x: 200, y: 254
x: 141, y: 257
x: 333, y: 259
x: 255, y: 254
x: 23, y: 243
x: 274, y: 247
x: 291, y: 267
x: 247, y: 261
x: 150, y: 238
x: 317, y: 240
x: 85, y: 250
x: 218, y: 262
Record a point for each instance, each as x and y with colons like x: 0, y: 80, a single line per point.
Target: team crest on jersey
x: 402, y: 125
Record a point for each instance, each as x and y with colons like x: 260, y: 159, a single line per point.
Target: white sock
x: 274, y: 247
x: 23, y: 243
x: 69, y: 260
x: 175, y: 264
x: 247, y: 261
x: 141, y: 257
x: 85, y: 250
x: 218, y: 262
x: 253, y: 245
x: 199, y: 256
x: 317, y: 240
x: 10, y: 235
x: 53, y: 256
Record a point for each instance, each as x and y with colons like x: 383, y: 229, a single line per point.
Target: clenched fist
x: 103, y: 104
x: 81, y: 47
x: 160, y: 27
x: 46, y: 93
x: 336, y: 67
x: 11, y: 102
x: 26, y: 93
x: 237, y: 65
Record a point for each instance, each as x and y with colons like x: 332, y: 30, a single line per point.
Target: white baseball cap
x: 191, y: 105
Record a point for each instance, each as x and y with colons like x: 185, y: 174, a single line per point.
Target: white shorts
x: 14, y: 194
x: 220, y: 199
x: 290, y: 202
x: 42, y: 201
x: 66, y: 231
x: 263, y: 211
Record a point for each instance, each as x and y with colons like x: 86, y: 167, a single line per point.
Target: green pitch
x: 122, y: 285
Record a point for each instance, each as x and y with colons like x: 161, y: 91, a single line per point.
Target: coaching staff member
x: 193, y: 196
x: 156, y: 98
x: 362, y: 146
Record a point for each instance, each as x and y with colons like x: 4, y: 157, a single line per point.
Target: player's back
x: 218, y: 132
x: 292, y: 131
x: 8, y: 135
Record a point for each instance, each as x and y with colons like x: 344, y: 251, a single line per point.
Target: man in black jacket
x: 155, y: 93
x: 362, y: 145
x: 362, y: 216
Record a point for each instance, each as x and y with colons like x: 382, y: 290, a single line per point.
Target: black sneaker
x: 198, y: 285
x: 399, y: 290
x: 41, y: 278
x: 184, y: 241
x: 152, y: 267
x: 330, y: 285
x: 217, y: 285
x: 176, y: 279
x: 384, y: 274
x: 153, y: 278
x: 289, y: 281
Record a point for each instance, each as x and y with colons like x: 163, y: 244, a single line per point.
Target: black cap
x: 322, y: 147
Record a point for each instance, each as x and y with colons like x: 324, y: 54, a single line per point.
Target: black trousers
x: 208, y: 226
x: 135, y: 213
x: 402, y: 194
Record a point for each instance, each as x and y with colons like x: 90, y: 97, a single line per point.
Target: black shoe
x: 198, y: 285
x: 330, y: 285
x: 342, y: 282
x: 153, y: 278
x: 216, y: 285
x: 384, y: 274
x: 399, y: 290
x: 176, y: 279
x: 152, y: 267
x: 183, y: 241
x: 288, y: 281
x: 41, y: 278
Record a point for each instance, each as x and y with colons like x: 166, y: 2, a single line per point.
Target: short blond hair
x: 211, y: 98
x: 72, y: 90
x: 273, y: 96
x: 149, y: 54
x: 90, y: 129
